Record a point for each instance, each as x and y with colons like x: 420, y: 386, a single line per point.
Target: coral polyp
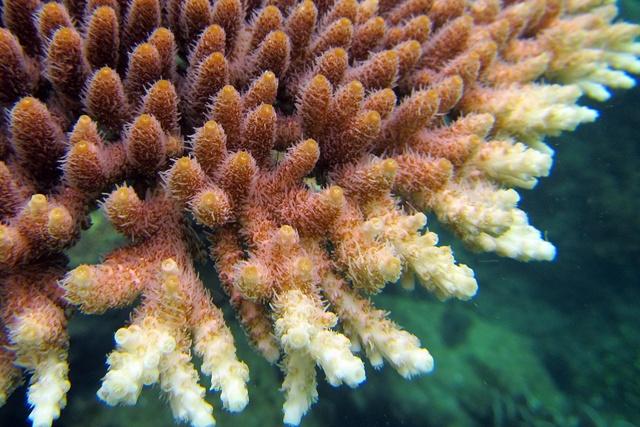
x: 305, y: 144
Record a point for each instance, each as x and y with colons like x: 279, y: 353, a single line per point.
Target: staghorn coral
x: 309, y: 139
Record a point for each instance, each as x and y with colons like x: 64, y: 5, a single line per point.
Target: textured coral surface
x: 298, y: 145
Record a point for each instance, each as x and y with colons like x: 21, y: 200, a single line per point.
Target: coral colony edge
x: 310, y: 140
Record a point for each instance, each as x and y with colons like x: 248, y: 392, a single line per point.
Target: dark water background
x: 543, y: 344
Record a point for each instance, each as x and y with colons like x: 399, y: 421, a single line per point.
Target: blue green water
x: 543, y: 344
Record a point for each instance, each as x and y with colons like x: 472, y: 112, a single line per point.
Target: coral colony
x: 309, y: 139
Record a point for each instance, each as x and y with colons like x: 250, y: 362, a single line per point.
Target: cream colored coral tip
x: 228, y: 90
x: 298, y: 336
x: 307, y: 6
x: 250, y: 275
x: 145, y: 49
x: 50, y: 8
x: 122, y: 335
x: 389, y: 167
x: 309, y: 145
x: 38, y: 199
x: 169, y: 265
x: 278, y: 37
x: 84, y: 120
x: 104, y: 73
x: 392, y: 268
x: 389, y: 55
x: 171, y: 283
x: 38, y: 203
x: 265, y: 111
x: 336, y: 195
x: 166, y: 343
x: 304, y: 266
x: 372, y: 118
x: 216, y: 59
x: 355, y: 86
x: 183, y: 164
x: 211, y: 126
x: 422, y: 361
x: 65, y: 35
x: 163, y: 32
x: 144, y: 120
x: 163, y: 85
x: 56, y: 215
x: 26, y: 102
x: 243, y: 158
x: 269, y: 76
x: 418, y: 220
x: 319, y: 79
x: 103, y: 12
x: 287, y: 235
x: 339, y: 53
x: 81, y: 275
x: 122, y: 194
x: 235, y: 397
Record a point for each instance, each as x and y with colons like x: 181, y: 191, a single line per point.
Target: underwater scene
x: 552, y: 341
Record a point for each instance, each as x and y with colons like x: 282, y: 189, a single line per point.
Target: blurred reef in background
x: 543, y: 344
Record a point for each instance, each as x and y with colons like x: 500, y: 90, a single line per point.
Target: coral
x: 307, y: 141
x: 493, y: 372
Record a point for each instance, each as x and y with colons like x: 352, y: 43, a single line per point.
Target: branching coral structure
x: 308, y: 140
